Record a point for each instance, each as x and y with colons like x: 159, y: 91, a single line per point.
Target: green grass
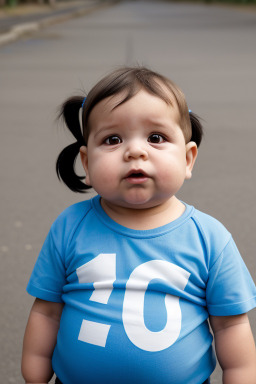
x: 242, y: 2
x: 232, y: 1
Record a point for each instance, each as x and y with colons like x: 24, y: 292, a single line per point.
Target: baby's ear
x: 84, y: 160
x: 191, y: 154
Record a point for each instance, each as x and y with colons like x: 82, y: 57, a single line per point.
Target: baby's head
x: 120, y: 85
x: 126, y: 82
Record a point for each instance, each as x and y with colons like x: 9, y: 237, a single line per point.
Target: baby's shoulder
x: 214, y: 233
x: 71, y: 217
x: 207, y: 221
x: 76, y: 210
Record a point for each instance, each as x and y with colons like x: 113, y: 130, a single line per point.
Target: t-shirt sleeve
x: 230, y: 288
x: 48, y: 276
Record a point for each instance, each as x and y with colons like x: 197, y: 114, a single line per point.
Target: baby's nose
x: 135, y: 150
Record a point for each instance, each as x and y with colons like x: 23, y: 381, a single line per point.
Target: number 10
x: 102, y: 271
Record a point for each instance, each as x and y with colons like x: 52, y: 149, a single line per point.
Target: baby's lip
x: 136, y: 173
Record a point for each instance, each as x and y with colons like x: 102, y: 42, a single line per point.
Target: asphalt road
x: 40, y: 13
x: 208, y: 50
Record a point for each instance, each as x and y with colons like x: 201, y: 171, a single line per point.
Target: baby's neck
x: 145, y: 218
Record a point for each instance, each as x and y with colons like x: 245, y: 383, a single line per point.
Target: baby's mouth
x: 137, y: 173
x: 136, y: 176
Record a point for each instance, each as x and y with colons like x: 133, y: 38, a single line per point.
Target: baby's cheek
x: 172, y: 177
x: 104, y: 179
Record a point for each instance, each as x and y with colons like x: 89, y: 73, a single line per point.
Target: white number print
x: 133, y: 309
x: 102, y: 271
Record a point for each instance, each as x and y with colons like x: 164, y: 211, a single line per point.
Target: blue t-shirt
x: 137, y: 301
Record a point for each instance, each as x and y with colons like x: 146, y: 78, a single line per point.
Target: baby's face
x: 136, y: 155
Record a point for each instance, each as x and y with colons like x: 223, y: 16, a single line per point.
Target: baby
x: 125, y: 282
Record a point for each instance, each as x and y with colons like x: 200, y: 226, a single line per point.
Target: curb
x: 24, y: 29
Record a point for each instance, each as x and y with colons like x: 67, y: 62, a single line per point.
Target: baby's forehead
x: 121, y: 98
x: 141, y: 110
x: 136, y: 103
x: 109, y: 105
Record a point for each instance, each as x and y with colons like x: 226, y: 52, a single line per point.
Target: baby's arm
x: 235, y: 348
x: 39, y: 341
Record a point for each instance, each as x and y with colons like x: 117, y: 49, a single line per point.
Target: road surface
x: 208, y: 50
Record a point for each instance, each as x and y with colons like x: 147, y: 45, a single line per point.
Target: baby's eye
x: 155, y: 138
x: 112, y: 140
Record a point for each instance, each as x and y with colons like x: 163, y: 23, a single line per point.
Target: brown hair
x: 129, y: 80
x: 126, y: 80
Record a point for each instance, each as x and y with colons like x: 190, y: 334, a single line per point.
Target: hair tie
x: 189, y: 111
x: 83, y: 102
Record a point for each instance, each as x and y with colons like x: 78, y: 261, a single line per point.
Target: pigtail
x: 66, y: 160
x: 197, y: 128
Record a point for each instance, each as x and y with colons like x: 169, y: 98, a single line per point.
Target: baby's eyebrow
x: 105, y: 129
x: 162, y: 124
x: 150, y: 124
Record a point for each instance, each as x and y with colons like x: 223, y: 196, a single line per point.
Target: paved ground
x: 33, y: 12
x: 208, y: 50
x: 25, y: 19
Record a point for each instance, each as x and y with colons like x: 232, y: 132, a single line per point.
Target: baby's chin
x: 140, y: 204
